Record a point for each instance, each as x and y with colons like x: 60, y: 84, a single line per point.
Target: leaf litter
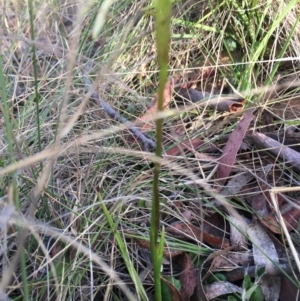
x: 239, y: 254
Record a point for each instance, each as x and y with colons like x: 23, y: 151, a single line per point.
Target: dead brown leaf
x: 191, y: 146
x: 167, y: 253
x: 215, y: 224
x: 221, y: 103
x: 288, y: 290
x: 290, y: 218
x: 176, y: 150
x: 176, y: 295
x: 188, y: 277
x: 262, y: 205
x: 200, y: 293
x: 232, y: 146
x: 147, y: 119
x: 191, y: 232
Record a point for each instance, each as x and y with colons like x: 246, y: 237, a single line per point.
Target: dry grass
x: 55, y: 188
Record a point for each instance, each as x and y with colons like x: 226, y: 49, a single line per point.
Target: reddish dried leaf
x: 191, y: 145
x: 176, y: 295
x: 288, y: 290
x: 215, y: 224
x: 266, y: 192
x: 177, y: 149
x: 230, y: 105
x: 232, y: 146
x: 271, y: 223
x: 215, y: 241
x: 262, y: 204
x: 145, y: 244
x: 147, y: 117
x: 290, y: 218
x: 258, y: 203
x: 192, y: 232
x: 188, y: 277
x: 220, y: 103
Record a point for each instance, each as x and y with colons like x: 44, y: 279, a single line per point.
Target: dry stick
x: 284, y: 152
x: 148, y: 143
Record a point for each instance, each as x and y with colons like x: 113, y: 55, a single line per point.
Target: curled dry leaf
x: 200, y: 294
x: 191, y: 232
x: 232, y: 106
x: 219, y: 102
x: 188, y: 277
x: 232, y: 146
x: 147, y: 118
x: 192, y: 95
x: 175, y: 294
x: 220, y: 288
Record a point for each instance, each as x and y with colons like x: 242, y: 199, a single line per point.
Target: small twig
x: 148, y: 143
x: 284, y: 152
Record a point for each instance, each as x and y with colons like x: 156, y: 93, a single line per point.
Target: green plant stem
x: 36, y: 90
x: 163, y: 14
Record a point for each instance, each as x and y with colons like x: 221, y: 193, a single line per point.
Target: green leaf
x: 247, y: 283
x: 100, y: 19
x: 165, y: 291
x: 230, y: 44
x: 254, y: 294
x: 260, y: 272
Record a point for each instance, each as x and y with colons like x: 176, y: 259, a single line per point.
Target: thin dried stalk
x: 148, y: 143
x: 284, y: 152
